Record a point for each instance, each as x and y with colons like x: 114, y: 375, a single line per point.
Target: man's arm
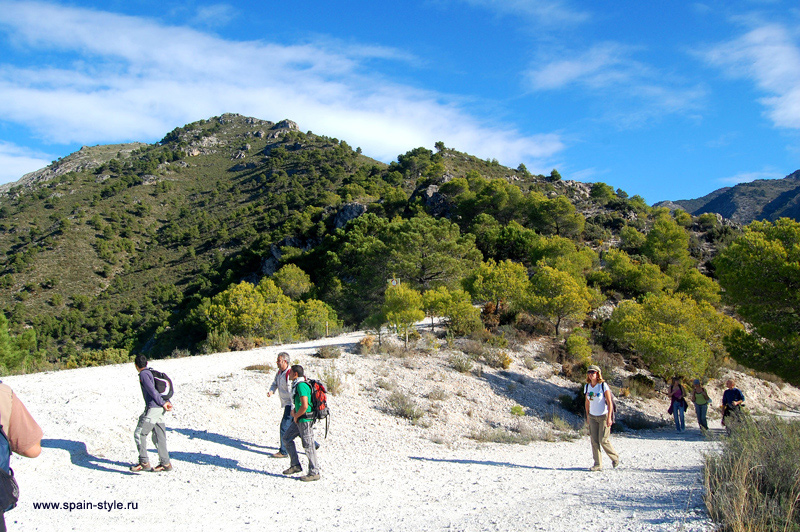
x: 149, y: 385
x: 24, y: 434
x: 303, y: 408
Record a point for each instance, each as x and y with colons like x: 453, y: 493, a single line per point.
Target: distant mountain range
x: 763, y: 199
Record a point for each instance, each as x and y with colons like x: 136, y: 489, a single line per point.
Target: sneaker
x: 162, y: 468
x: 310, y: 477
x: 136, y: 468
x: 292, y: 470
x: 279, y: 455
x: 596, y: 468
x: 615, y: 463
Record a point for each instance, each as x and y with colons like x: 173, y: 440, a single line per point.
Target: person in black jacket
x: 151, y: 420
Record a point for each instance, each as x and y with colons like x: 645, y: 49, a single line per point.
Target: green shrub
x: 332, y: 380
x: 502, y: 435
x: 461, y: 363
x: 498, y: 359
x: 518, y: 410
x: 103, y: 357
x: 261, y: 368
x: 328, y: 351
x: 579, y: 349
x: 402, y: 405
x: 216, y: 342
x: 240, y: 343
x: 640, y: 385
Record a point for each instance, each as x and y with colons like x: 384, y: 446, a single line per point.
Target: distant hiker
x: 283, y: 385
x: 599, y: 417
x: 302, y: 426
x: 677, y: 405
x: 701, y: 401
x: 732, y: 401
x: 151, y: 420
x: 22, y: 435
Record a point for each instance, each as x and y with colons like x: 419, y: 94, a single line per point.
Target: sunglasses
x: 590, y: 372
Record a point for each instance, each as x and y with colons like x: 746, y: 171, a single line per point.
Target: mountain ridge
x: 762, y: 199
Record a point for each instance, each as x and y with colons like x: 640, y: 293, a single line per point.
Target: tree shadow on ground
x: 497, y: 464
x: 224, y: 440
x: 537, y: 396
x: 79, y: 456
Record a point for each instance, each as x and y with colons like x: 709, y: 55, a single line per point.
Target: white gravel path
x: 378, y: 473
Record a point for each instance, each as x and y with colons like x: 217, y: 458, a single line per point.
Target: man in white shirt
x: 284, y: 387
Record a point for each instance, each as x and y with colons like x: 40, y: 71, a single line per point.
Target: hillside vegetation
x: 234, y: 231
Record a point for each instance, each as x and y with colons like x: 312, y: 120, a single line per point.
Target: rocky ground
x: 443, y: 471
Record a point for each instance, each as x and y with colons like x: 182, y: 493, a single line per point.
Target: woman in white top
x: 598, y: 416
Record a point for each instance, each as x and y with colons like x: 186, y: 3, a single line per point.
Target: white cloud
x: 770, y: 56
x: 135, y: 79
x: 215, y: 15
x: 746, y: 177
x: 16, y: 161
x: 603, y: 65
x: 543, y: 12
x: 632, y: 91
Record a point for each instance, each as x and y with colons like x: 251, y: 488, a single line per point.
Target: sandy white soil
x: 379, y: 471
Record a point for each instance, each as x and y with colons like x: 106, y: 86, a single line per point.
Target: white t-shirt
x: 597, y: 398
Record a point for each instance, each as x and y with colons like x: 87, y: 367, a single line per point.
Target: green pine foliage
x: 235, y: 227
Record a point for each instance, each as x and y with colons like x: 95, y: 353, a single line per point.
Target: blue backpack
x: 9, y: 489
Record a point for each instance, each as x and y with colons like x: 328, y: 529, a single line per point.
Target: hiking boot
x: 615, y: 463
x: 292, y: 470
x: 310, y: 477
x: 279, y: 455
x: 162, y: 468
x: 140, y: 467
x: 596, y: 468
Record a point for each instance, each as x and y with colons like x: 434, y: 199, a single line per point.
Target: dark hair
x: 140, y: 361
x: 298, y: 369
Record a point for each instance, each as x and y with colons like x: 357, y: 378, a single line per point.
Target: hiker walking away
x: 283, y: 385
x: 22, y: 435
x: 302, y: 426
x: 597, y: 403
x: 732, y: 401
x: 677, y: 405
x: 701, y: 401
x: 151, y: 420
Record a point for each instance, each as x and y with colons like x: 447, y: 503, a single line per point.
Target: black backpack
x: 163, y: 384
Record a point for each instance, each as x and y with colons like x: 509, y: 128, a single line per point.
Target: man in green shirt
x: 302, y: 426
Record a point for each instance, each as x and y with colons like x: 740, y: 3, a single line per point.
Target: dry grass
x: 404, y: 406
x: 261, y: 368
x: 753, y: 485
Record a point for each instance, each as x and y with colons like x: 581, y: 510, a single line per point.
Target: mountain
x: 763, y: 199
x: 119, y: 249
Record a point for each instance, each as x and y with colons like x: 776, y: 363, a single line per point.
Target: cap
x: 593, y: 368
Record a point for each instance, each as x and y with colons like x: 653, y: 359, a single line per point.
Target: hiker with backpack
x: 156, y: 405
x: 283, y: 386
x: 303, y: 422
x: 19, y: 433
x: 599, y: 405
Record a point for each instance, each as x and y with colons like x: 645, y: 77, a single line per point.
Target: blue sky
x: 668, y: 100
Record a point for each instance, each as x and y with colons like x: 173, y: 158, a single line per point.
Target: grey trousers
x: 152, y: 420
x: 306, y: 433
